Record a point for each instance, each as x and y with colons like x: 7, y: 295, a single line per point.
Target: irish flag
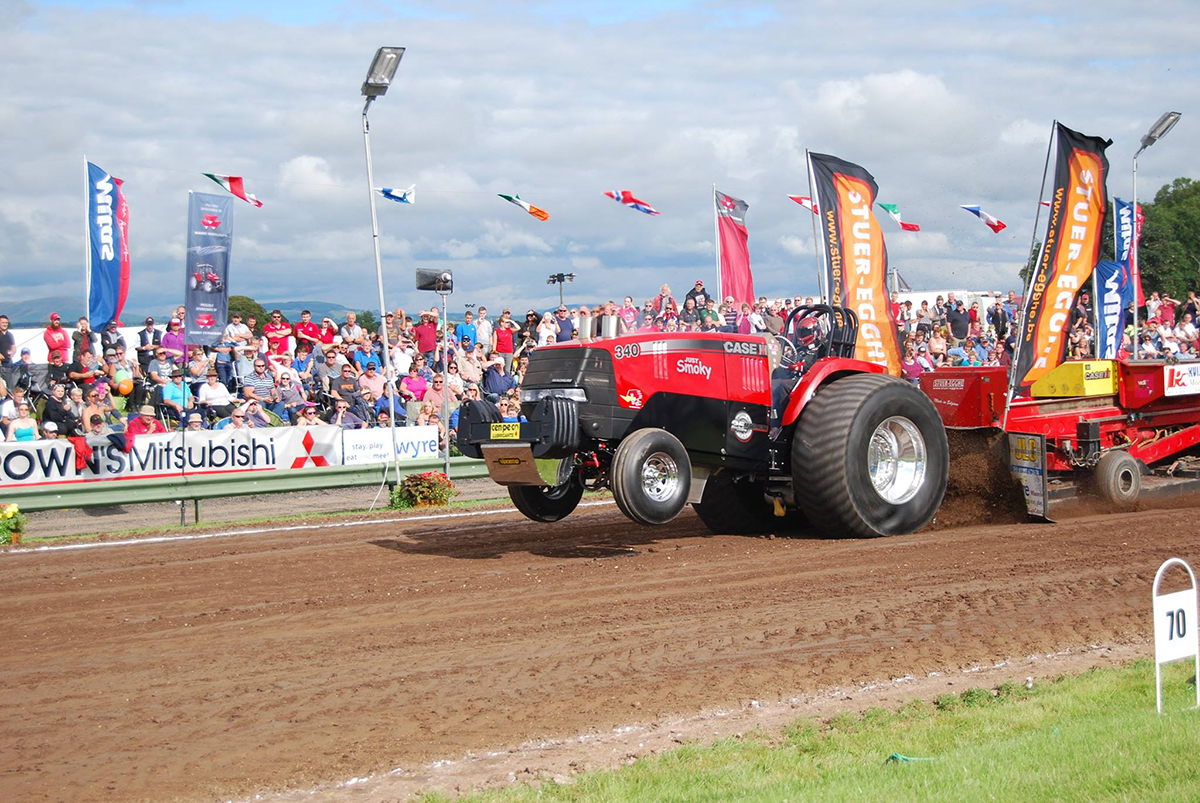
x: 806, y: 202
x: 540, y: 214
x: 233, y: 185
x: 894, y: 212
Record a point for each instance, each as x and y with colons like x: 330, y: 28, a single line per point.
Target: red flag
x: 736, y: 279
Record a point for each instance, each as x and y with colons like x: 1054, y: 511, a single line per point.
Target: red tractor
x: 758, y: 432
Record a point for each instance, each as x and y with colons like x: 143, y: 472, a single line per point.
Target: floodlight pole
x: 387, y: 348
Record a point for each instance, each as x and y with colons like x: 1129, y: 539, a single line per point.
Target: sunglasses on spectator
x: 239, y: 415
x: 310, y: 412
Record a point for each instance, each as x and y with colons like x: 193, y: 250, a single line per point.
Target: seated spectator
x: 436, y: 394
x: 909, y: 368
x: 57, y: 410
x: 364, y: 355
x: 75, y: 403
x: 159, y: 368
x: 97, y: 428
x: 496, y: 381
x: 308, y: 416
x: 291, y: 396
x: 145, y: 423
x: 371, y: 379
x: 22, y: 428
x: 413, y: 387
x: 344, y: 387
x: 197, y: 369
x: 49, y: 430
x: 510, y: 412
x: 342, y: 417
x: 454, y: 380
x: 237, y: 419
x: 195, y: 423
x: 969, y: 353
x: 255, y: 417
x: 97, y: 402
x: 177, y: 397
x: 85, y: 370
x: 303, y: 366
x: 215, y: 397
x: 387, y: 401
x: 259, y: 386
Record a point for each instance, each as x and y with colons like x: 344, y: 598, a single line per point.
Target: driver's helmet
x: 806, y: 333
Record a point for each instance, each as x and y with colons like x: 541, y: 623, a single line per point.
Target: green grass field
x: 1093, y: 736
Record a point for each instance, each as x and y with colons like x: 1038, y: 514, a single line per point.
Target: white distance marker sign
x: 1175, y: 633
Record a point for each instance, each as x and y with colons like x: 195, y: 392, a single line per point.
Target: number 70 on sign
x: 1175, y: 636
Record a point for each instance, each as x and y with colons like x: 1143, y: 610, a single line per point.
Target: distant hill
x: 36, y: 311
x: 292, y: 309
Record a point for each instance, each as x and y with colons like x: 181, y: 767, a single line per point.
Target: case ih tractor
x: 760, y: 433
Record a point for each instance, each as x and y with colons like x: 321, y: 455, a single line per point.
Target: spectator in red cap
x: 697, y: 294
x: 57, y: 339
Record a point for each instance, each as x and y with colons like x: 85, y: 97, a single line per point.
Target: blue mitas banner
x: 206, y: 284
x: 1116, y: 294
x: 108, y: 247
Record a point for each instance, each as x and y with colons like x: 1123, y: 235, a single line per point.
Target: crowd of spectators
x: 331, y: 373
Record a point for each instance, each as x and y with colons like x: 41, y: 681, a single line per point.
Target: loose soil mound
x: 980, y: 489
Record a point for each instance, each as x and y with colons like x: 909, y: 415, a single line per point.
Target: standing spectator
x: 1192, y: 305
x: 172, y: 341
x: 629, y: 316
x: 1011, y: 305
x: 237, y: 332
x: 483, y: 331
x: 905, y: 322
x: 252, y: 325
x: 8, y: 346
x: 502, y: 337
x: 697, y: 294
x: 278, y: 334
x: 222, y: 362
x: 547, y: 332
x: 465, y: 331
x: 326, y: 335
x: 56, y: 338
x: 528, y: 334
x: 307, y: 332
x: 998, y: 318
x: 1166, y: 310
x: 110, y: 338
x: 149, y: 339
x: 427, y: 336
x: 664, y: 302
x: 83, y: 339
x: 564, y: 329
x: 960, y: 323
x: 391, y: 329
x: 215, y: 397
x: 1185, y: 332
x: 351, y: 332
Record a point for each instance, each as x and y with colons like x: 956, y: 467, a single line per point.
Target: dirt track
x: 220, y: 668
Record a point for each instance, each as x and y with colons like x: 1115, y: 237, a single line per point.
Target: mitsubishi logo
x: 317, y: 460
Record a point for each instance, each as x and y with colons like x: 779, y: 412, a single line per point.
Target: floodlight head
x: 1160, y: 129
x: 570, y: 277
x: 383, y: 69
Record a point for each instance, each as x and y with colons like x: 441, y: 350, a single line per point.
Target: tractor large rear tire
x: 651, y: 476
x: 869, y: 457
x: 546, y: 504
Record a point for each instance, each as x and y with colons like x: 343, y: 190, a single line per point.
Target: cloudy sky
x: 945, y: 103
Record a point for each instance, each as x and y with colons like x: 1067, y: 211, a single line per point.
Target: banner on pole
x: 1116, y: 293
x: 1124, y: 231
x: 108, y: 254
x: 855, y: 255
x: 736, y: 279
x: 1070, y: 251
x: 206, y: 280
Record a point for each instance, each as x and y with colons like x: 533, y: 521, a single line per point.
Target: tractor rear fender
x: 822, y: 373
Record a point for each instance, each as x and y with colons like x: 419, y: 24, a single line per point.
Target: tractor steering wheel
x: 787, y: 351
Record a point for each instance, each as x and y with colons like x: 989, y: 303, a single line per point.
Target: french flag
x: 992, y: 223
x: 626, y: 197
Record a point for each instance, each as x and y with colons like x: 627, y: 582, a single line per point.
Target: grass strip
x: 1092, y: 736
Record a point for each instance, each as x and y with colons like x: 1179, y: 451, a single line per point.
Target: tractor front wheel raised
x: 546, y: 504
x: 870, y: 457
x: 651, y: 476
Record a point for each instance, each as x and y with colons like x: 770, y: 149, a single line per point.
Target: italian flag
x: 540, y: 214
x: 233, y: 185
x: 806, y: 202
x: 894, y: 212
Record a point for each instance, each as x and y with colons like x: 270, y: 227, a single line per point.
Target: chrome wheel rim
x: 896, y: 460
x: 660, y: 476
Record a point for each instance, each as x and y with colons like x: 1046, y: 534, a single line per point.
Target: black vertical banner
x: 206, y: 283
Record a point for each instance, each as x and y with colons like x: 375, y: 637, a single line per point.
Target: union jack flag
x: 626, y: 197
